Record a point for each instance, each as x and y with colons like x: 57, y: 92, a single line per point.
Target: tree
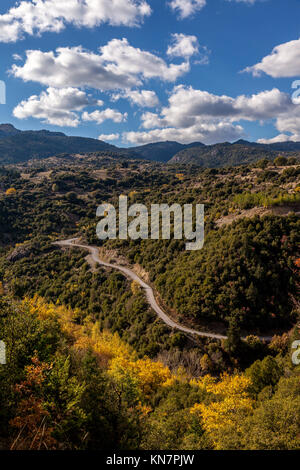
x: 32, y: 420
x: 233, y: 341
x: 264, y: 373
x: 280, y: 161
x: 10, y: 191
x: 230, y: 403
x: 292, y: 161
x: 262, y: 163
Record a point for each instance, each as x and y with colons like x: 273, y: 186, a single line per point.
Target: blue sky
x: 139, y: 71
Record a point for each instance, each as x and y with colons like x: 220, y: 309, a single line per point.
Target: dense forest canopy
x: 91, y: 366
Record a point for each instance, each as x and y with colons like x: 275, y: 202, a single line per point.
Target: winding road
x: 73, y: 242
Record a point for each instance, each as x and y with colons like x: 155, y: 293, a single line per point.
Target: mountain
x: 227, y: 154
x: 7, y: 130
x: 279, y: 146
x: 286, y: 146
x: 160, y: 151
x: 19, y: 146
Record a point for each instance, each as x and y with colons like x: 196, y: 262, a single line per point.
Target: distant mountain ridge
x: 241, y: 152
x: 165, y: 150
x: 8, y: 130
x: 20, y: 146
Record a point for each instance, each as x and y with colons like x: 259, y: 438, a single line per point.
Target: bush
x: 280, y: 161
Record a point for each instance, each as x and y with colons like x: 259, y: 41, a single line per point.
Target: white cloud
x: 39, y: 16
x: 100, y: 116
x: 123, y: 58
x: 289, y: 122
x: 186, y: 8
x: 73, y: 67
x: 109, y: 137
x: 280, y: 138
x: 54, y: 106
x: 198, y: 115
x: 187, y: 106
x: 142, y: 98
x: 183, y: 46
x: 207, y: 133
x: 264, y: 105
x: 284, y: 61
x: 117, y: 66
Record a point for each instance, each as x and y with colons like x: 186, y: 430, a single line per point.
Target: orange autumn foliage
x: 112, y: 353
x: 32, y: 420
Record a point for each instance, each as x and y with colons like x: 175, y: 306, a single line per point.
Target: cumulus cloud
x: 109, y: 137
x: 60, y: 107
x: 198, y: 115
x: 71, y: 67
x: 183, y: 45
x: 186, y: 8
x: 208, y: 133
x: 38, y: 16
x: 288, y: 124
x: 54, y: 106
x: 284, y: 61
x: 118, y: 65
x: 186, y: 46
x: 187, y: 106
x: 100, y: 116
x: 280, y: 138
x: 141, y: 98
x: 123, y: 58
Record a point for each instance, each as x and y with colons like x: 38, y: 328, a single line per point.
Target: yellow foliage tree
x: 148, y: 375
x: 230, y: 404
x: 10, y: 191
x: 86, y: 336
x: 117, y: 357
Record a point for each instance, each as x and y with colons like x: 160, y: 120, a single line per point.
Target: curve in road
x: 72, y: 242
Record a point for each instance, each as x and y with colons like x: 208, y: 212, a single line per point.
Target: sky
x: 131, y: 72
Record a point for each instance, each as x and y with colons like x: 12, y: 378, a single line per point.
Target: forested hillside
x: 91, y: 366
x: 71, y: 386
x: 239, y: 153
x: 17, y: 146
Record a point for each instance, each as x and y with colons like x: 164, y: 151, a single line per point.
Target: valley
x: 146, y: 324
